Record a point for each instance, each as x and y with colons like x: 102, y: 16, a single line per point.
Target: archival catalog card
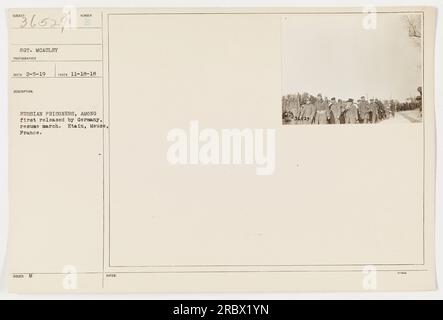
x: 221, y: 150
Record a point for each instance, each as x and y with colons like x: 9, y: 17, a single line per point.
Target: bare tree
x: 414, y: 26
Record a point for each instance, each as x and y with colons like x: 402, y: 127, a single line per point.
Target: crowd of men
x: 306, y: 109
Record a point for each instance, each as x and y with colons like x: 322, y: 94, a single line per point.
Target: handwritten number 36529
x: 47, y: 22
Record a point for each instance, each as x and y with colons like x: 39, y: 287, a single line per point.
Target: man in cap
x: 363, y: 109
x: 351, y: 116
x: 308, y: 112
x: 336, y: 109
x: 322, y: 110
x: 295, y: 108
x: 343, y: 110
x: 373, y: 110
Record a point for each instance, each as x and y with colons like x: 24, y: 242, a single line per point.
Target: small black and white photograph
x: 352, y: 68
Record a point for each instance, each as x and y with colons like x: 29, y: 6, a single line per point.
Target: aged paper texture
x: 221, y: 150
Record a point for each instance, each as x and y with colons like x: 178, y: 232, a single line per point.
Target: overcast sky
x: 334, y: 55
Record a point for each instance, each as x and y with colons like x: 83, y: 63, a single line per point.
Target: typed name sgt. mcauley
x: 39, y: 49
